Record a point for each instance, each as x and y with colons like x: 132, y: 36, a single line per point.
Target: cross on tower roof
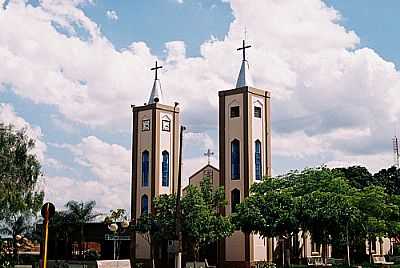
x: 156, y: 70
x: 244, y: 47
x: 209, y: 154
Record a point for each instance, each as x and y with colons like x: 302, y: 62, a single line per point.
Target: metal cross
x: 244, y: 49
x: 209, y: 154
x: 156, y: 70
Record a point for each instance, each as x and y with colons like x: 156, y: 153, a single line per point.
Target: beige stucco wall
x: 164, y: 140
x: 258, y: 248
x: 386, y: 247
x: 144, y: 143
x: 165, y: 143
x: 234, y: 247
x: 257, y: 129
x: 142, y: 247
x: 196, y: 178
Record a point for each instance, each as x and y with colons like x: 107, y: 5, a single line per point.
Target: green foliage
x: 389, y: 179
x: 202, y: 224
x: 334, y: 205
x: 270, y: 210
x: 358, y: 177
x: 117, y: 215
x: 160, y: 225
x: 81, y: 212
x: 20, y: 172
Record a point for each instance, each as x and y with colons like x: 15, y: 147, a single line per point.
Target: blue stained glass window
x: 258, y: 160
x: 165, y: 169
x: 145, y: 168
x: 235, y: 160
x: 145, y: 204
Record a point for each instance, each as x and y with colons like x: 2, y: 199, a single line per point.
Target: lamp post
x: 113, y: 227
x: 178, y: 262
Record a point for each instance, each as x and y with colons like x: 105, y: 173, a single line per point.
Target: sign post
x: 47, y: 212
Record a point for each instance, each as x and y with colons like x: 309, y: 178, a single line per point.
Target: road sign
x: 51, y: 209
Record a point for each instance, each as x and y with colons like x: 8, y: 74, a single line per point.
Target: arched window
x: 145, y: 168
x: 235, y: 199
x: 258, y: 160
x: 235, y: 160
x: 145, y: 204
x: 165, y: 169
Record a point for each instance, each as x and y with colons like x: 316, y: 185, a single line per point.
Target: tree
x: 389, y: 179
x: 270, y: 211
x: 81, y: 213
x: 318, y: 200
x: 61, y: 227
x: 160, y: 225
x: 202, y: 224
x: 20, y: 172
x: 358, y: 176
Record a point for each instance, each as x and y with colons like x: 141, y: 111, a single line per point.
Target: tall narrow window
x: 235, y: 160
x: 258, y: 161
x: 235, y: 199
x: 145, y: 168
x: 145, y: 204
x: 165, y: 169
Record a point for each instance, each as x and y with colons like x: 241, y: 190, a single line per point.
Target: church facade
x: 244, y: 156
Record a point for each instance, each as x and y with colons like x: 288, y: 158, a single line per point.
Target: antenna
x: 396, y: 155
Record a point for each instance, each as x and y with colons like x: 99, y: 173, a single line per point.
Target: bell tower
x: 155, y: 149
x: 245, y: 158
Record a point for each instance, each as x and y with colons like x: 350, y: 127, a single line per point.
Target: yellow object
x: 46, y: 236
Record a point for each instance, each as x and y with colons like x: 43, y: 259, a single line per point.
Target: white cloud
x: 110, y: 168
x: 9, y: 116
x: 329, y: 97
x: 61, y: 189
x: 112, y: 15
x: 199, y: 139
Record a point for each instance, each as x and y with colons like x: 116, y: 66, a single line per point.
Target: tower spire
x: 244, y: 78
x: 156, y: 92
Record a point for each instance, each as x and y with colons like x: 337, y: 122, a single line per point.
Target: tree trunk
x: 196, y: 249
x: 370, y: 250
x: 153, y: 263
x: 82, y: 242
x: 348, y: 245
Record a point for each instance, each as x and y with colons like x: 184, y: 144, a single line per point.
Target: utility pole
x: 178, y: 259
x: 396, y: 153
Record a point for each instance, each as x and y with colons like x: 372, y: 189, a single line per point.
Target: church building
x: 244, y: 158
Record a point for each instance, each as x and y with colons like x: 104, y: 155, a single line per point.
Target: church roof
x: 156, y: 93
x: 203, y: 168
x: 244, y: 78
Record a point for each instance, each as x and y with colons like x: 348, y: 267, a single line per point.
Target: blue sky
x: 374, y: 22
x: 71, y: 76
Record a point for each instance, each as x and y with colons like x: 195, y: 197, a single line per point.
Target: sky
x: 70, y: 69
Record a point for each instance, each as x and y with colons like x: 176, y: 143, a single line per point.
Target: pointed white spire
x: 156, y: 92
x: 244, y: 78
